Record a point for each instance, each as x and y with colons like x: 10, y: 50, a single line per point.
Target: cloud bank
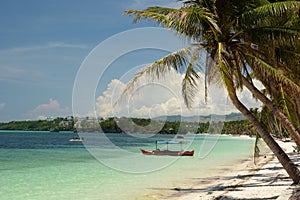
x: 163, y: 97
x: 50, y: 109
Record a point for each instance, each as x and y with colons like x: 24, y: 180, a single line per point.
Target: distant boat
x: 167, y: 151
x: 181, y: 136
x: 76, y: 139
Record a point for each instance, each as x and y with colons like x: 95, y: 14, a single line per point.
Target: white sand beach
x: 266, y: 180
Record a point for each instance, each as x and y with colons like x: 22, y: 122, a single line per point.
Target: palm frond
x: 187, y: 21
x: 238, y: 65
x: 177, y: 60
x: 195, y: 17
x: 257, y: 15
x: 189, y: 83
x: 287, y: 105
x: 158, y: 14
x: 221, y: 61
x: 256, y: 148
x: 276, y: 74
x: 283, y: 101
x: 272, y: 35
x: 212, y: 71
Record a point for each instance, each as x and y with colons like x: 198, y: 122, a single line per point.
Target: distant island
x: 234, y: 124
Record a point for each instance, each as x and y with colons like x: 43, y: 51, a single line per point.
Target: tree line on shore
x: 129, y: 125
x: 53, y: 125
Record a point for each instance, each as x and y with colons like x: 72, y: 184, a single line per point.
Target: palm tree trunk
x: 279, y: 115
x: 285, y: 161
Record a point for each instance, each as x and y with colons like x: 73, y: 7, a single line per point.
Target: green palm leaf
x: 277, y: 36
x: 257, y: 15
x: 179, y: 19
x: 189, y: 82
x: 256, y: 148
x: 276, y: 74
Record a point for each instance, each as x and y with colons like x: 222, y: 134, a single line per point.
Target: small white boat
x: 76, y: 139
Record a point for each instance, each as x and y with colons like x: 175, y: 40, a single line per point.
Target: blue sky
x: 43, y: 44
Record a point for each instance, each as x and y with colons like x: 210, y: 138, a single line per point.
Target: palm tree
x: 277, y: 42
x: 277, y: 112
x: 235, y: 54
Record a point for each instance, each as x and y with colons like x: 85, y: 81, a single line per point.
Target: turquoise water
x: 43, y: 165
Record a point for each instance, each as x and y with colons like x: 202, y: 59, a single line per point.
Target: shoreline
x: 265, y: 180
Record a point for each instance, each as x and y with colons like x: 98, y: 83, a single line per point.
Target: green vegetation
x: 58, y: 124
x: 137, y: 125
x: 237, y: 127
x: 126, y: 125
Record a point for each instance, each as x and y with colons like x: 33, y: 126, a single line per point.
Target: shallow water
x: 43, y: 165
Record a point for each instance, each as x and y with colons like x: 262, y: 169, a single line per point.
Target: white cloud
x: 105, y: 103
x: 247, y: 98
x: 44, y: 47
x: 164, y: 98
x: 2, y: 105
x: 65, y: 45
x: 52, y: 108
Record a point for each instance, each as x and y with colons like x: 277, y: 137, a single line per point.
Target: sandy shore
x: 266, y: 180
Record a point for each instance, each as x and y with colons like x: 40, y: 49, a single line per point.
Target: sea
x: 46, y: 165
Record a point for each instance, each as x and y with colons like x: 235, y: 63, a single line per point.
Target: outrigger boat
x: 168, y: 152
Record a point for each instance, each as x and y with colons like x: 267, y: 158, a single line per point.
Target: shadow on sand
x: 215, y: 185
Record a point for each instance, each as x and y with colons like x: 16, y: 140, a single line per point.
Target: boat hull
x: 76, y: 140
x: 168, y: 153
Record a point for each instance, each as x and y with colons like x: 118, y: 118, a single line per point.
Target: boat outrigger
x: 168, y: 152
